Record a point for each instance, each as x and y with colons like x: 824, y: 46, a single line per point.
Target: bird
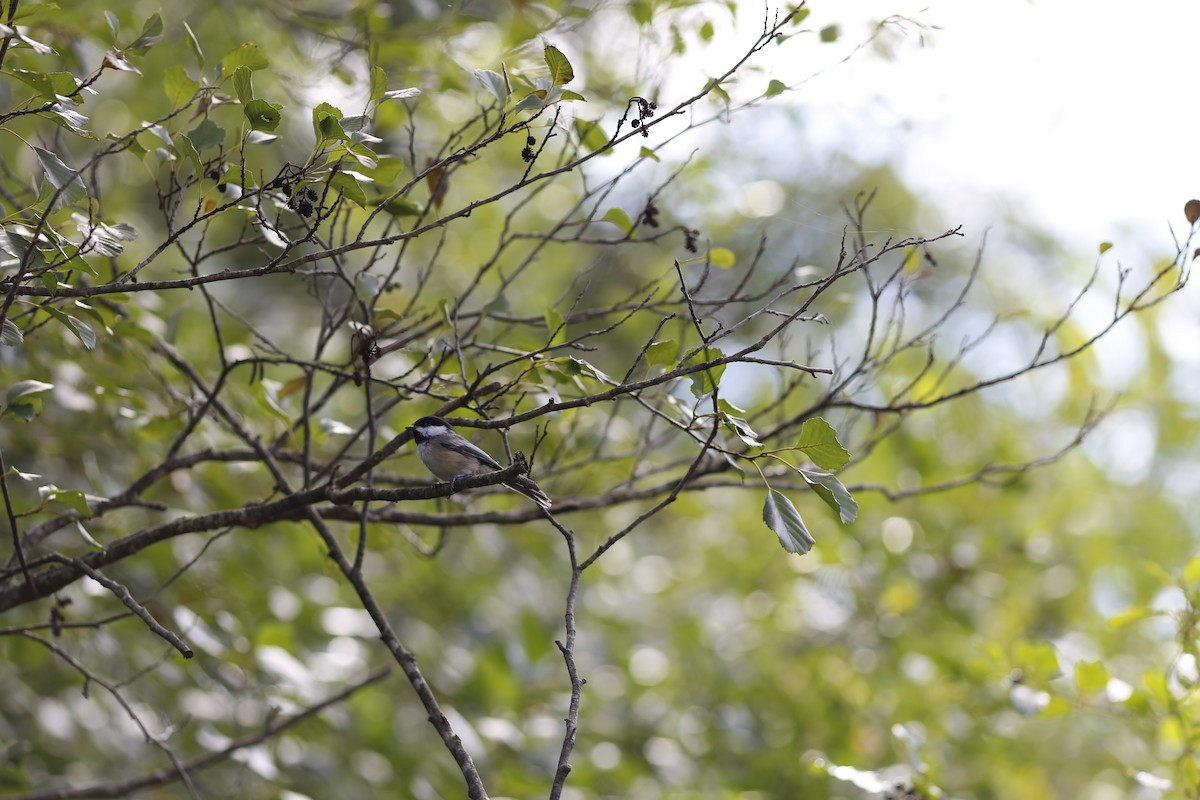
x: 449, y: 456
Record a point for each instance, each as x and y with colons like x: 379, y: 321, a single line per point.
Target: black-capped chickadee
x: 450, y: 456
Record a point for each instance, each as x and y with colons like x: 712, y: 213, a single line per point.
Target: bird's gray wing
x: 471, y: 451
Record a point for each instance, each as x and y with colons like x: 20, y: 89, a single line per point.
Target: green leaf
x: 499, y: 304
x: 42, y: 12
x: 83, y: 533
x: 243, y: 84
x: 115, y: 59
x: 106, y: 240
x: 1090, y: 677
x: 239, y: 177
x: 720, y: 92
x: 13, y: 779
x: 619, y: 218
x: 1155, y: 571
x: 581, y: 367
x: 362, y: 155
x: 1105, y: 247
x: 1131, y: 615
x: 185, y: 149
x: 402, y: 94
x: 39, y: 81
x: 740, y: 428
x: 25, y: 389
x: 326, y: 121
x: 1156, y: 686
x: 722, y: 257
x: 349, y: 187
x: 642, y: 11
x: 22, y: 411
x: 20, y: 248
x: 835, y: 495
x: 662, y: 353
x: 248, y: 55
x: 366, y: 286
x: 819, y: 443
x: 75, y: 326
x: 378, y: 84
x: 263, y: 116
x: 151, y: 35
x: 10, y: 334
x: 13, y: 244
x: 353, y: 126
x: 205, y: 135
x: 72, y: 498
x: 386, y: 170
x: 554, y: 326
x: 75, y: 499
x: 399, y: 206
x: 592, y: 137
x: 135, y: 147
x: 64, y: 82
x: 114, y: 24
x: 782, y: 517
x: 570, y: 370
x: 646, y: 152
x: 92, y: 312
x: 561, y: 72
x: 495, y: 84
x: 775, y: 87
x: 62, y: 176
x: 195, y: 45
x: 159, y: 132
x: 70, y: 120
x: 830, y: 33
x: 531, y: 102
x: 271, y: 235
x: 730, y: 408
x: 48, y: 85
x: 1039, y: 660
x: 1191, y: 571
x: 706, y: 381
x: 178, y: 86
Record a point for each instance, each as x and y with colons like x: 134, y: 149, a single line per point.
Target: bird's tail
x: 527, y: 487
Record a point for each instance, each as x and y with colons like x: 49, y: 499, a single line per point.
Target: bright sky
x: 1082, y: 111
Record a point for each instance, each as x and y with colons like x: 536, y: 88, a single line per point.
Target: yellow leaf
x: 722, y: 257
x: 1130, y: 616
x: 1191, y: 572
x: 1090, y: 677
x: 292, y: 386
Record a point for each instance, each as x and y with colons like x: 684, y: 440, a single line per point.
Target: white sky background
x: 1080, y: 112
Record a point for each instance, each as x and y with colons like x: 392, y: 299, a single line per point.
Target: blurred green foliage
x: 1025, y: 632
